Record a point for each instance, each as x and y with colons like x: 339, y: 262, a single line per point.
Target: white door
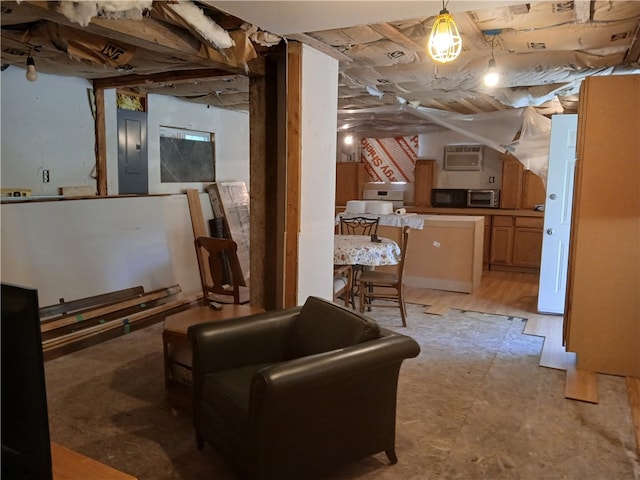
x: 557, y: 214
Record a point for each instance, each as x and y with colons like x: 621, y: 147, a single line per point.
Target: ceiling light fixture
x: 492, y: 77
x: 31, y: 75
x: 445, y: 42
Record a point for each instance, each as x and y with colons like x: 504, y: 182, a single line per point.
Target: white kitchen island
x: 446, y: 254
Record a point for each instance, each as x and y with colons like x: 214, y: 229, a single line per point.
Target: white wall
x: 79, y: 248
x: 431, y: 146
x: 319, y: 113
x: 48, y: 124
x: 231, y: 131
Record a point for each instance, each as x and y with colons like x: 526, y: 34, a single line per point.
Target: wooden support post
x: 294, y: 153
x: 101, y: 142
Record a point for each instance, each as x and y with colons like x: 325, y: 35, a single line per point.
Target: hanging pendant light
x: 445, y: 42
x: 31, y: 74
x: 492, y: 76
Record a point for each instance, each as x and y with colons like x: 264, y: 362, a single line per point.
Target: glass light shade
x: 491, y: 78
x: 31, y: 75
x: 445, y: 42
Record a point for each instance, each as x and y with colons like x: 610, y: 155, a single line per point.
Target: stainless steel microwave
x: 483, y: 198
x: 449, y: 197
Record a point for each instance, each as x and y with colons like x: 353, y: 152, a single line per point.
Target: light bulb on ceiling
x: 491, y: 77
x: 31, y: 75
x: 445, y: 42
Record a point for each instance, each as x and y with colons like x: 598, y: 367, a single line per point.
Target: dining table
x: 362, y: 250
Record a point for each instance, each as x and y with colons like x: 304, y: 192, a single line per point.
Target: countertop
x: 413, y: 220
x: 474, y: 211
x: 466, y: 211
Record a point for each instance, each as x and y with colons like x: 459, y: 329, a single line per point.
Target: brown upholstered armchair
x: 295, y: 393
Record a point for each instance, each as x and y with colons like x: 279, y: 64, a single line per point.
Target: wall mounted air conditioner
x: 463, y: 157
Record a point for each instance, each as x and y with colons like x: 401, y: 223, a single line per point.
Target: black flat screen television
x: 26, y: 447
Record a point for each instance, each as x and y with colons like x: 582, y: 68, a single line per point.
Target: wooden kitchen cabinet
x: 350, y: 180
x: 501, y: 240
x: 533, y: 190
x: 527, y: 242
x: 516, y: 243
x: 520, y: 188
x: 510, y: 192
x: 425, y: 178
x: 602, y: 314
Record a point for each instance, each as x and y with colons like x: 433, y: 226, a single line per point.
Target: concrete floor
x: 474, y: 405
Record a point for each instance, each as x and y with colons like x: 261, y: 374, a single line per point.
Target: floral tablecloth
x: 360, y: 250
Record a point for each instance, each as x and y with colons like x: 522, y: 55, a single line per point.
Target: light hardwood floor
x: 503, y: 293
x: 516, y: 294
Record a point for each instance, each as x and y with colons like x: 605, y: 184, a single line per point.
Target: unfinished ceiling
x: 201, y: 51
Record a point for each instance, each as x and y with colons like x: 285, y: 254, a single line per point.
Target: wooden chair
x: 342, y: 281
x: 220, y: 272
x: 372, y: 281
x: 359, y: 226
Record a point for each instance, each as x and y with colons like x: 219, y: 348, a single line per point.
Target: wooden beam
x: 89, y: 302
x: 633, y: 53
x: 174, y: 77
x: 267, y: 180
x: 294, y: 154
x: 439, y: 106
x: 148, y: 34
x: 320, y: 46
x: 105, y: 310
x: 469, y: 105
x: 493, y: 102
x: 474, y: 38
x: 396, y: 36
x: 119, y: 323
x: 258, y: 192
x: 101, y: 142
x: 582, y: 10
x: 195, y: 210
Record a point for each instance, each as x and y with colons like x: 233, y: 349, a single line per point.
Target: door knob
x: 550, y: 231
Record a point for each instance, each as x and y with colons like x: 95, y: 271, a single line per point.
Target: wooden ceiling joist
x: 469, y: 105
x: 183, y: 76
x: 148, y: 34
x: 396, y: 36
x: 321, y: 46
